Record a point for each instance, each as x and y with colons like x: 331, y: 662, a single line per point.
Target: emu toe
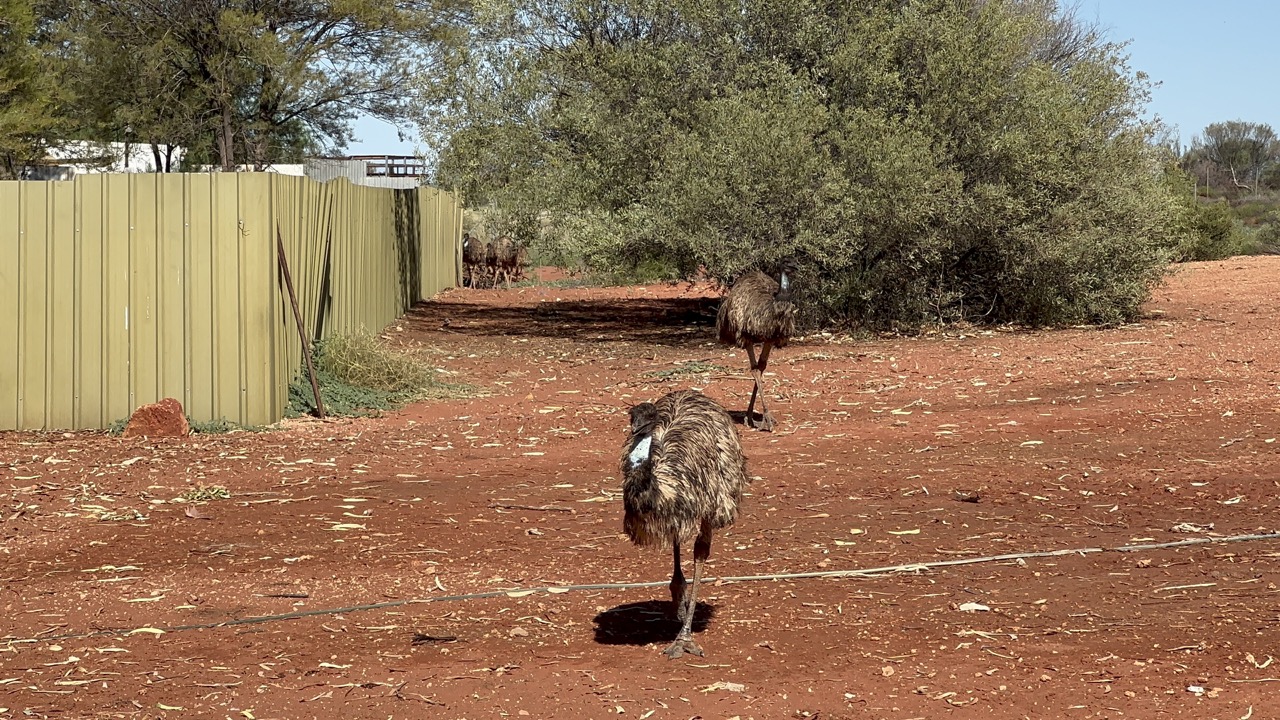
x: 765, y: 422
x: 681, y: 646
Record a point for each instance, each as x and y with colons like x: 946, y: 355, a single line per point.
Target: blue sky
x: 1215, y: 61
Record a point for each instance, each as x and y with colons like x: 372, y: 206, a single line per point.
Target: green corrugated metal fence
x: 119, y: 290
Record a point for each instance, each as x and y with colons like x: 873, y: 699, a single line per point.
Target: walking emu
x: 511, y: 259
x: 758, y: 311
x: 683, y: 475
x: 473, y: 258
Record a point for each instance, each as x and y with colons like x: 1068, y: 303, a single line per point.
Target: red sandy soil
x: 1155, y: 432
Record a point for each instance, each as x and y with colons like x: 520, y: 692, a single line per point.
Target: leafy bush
x: 1216, y: 233
x: 923, y: 161
x: 1267, y: 236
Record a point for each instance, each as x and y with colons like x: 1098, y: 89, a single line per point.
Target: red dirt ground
x: 1160, y: 431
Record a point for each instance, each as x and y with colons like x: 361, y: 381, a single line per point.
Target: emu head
x: 643, y: 417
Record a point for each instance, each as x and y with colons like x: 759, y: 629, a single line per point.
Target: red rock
x: 162, y: 419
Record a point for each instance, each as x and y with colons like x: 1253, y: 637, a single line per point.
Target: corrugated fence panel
x: 429, y: 199
x: 199, y: 310
x: 144, y: 264
x: 118, y: 290
x: 33, y: 269
x: 61, y: 329
x: 259, y: 301
x: 171, y: 314
x: 287, y: 207
x: 226, y: 309
x: 115, y: 290
x: 336, y: 321
x: 91, y: 227
x: 10, y: 307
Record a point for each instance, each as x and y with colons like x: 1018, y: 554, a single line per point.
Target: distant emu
x: 491, y: 261
x: 473, y: 256
x: 758, y: 311
x: 511, y: 259
x: 683, y: 476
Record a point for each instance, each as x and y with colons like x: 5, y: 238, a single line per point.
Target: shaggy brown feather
x: 693, y: 476
x: 752, y: 313
x: 511, y: 258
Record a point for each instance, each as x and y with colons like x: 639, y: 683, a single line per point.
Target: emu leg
x: 755, y: 388
x: 678, y: 584
x: 767, y: 422
x: 684, y: 640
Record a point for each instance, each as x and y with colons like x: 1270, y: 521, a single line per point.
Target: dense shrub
x: 924, y: 161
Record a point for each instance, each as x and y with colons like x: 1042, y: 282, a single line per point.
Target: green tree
x: 247, y: 81
x: 29, y: 104
x: 923, y: 160
x: 1242, y: 151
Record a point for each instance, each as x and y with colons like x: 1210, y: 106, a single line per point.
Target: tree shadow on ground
x: 656, y: 321
x: 645, y: 623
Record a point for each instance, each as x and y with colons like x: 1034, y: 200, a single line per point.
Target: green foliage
x: 923, y: 161
x: 1216, y: 233
x: 241, y: 81
x: 339, y: 398
x: 221, y: 426
x: 1207, y: 229
x: 212, y: 427
x: 1269, y: 231
x: 29, y: 96
x: 360, y: 375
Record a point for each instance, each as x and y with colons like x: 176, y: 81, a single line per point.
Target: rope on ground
x: 522, y: 592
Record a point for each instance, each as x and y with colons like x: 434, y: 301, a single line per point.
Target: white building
x: 80, y: 157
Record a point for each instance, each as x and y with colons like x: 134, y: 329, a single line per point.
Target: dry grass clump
x: 360, y: 374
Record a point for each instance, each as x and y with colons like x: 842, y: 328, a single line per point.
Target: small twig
x: 1259, y: 680
x: 539, y: 508
x: 1183, y: 587
x: 424, y: 639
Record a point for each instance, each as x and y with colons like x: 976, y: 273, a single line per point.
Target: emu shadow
x: 646, y: 623
x: 669, y: 322
x: 739, y: 417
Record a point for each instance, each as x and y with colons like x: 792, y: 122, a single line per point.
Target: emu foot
x: 681, y: 646
x: 765, y: 422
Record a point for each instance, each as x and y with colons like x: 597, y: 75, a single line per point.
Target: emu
x: 473, y: 259
x: 491, y: 261
x: 683, y: 476
x: 758, y: 311
x: 511, y: 259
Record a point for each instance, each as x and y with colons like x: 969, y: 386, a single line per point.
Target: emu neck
x: 641, y: 451
x: 784, y: 288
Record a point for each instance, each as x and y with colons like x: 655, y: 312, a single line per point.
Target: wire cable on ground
x: 559, y: 589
